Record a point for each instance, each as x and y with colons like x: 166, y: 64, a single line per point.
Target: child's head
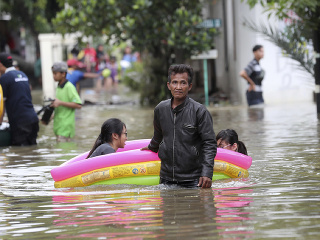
x: 113, y: 59
x: 59, y: 71
x: 75, y: 64
x: 114, y: 132
x: 113, y: 129
x: 228, y: 139
x: 258, y: 52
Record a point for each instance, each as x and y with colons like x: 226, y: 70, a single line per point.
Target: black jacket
x: 185, y: 140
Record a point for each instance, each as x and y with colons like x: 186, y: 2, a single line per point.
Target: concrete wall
x: 283, y: 82
x: 51, y: 50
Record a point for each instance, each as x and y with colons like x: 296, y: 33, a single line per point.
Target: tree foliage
x: 303, y: 21
x: 165, y: 30
x: 150, y: 24
x: 306, y: 10
x: 34, y: 15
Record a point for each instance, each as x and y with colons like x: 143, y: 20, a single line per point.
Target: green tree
x: 165, y: 31
x: 306, y: 25
x: 34, y: 15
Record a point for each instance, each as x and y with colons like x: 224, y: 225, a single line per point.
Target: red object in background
x: 75, y: 62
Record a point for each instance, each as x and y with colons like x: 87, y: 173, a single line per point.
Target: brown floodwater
x: 280, y: 199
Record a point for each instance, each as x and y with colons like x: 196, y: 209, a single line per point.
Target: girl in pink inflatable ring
x: 228, y: 139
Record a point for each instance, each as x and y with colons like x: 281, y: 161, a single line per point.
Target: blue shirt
x: 74, y: 76
x: 17, y: 95
x: 129, y: 57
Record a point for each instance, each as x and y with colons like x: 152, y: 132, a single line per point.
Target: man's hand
x: 244, y: 74
x: 144, y: 148
x: 205, y: 182
x: 56, y: 103
x: 252, y: 87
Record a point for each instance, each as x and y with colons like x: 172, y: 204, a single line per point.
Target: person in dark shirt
x: 113, y: 135
x: 254, y: 75
x: 24, y: 122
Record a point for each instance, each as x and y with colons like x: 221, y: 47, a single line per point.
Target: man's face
x: 179, y: 86
x: 259, y: 54
x: 58, y: 76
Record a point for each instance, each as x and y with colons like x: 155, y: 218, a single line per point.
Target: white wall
x: 51, y: 47
x: 50, y: 51
x: 284, y: 81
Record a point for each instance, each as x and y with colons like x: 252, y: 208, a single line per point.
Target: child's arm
x: 57, y: 103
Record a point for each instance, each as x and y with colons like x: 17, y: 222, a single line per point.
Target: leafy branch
x: 291, y: 41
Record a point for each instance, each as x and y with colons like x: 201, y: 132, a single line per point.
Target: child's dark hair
x: 256, y: 48
x: 112, y: 125
x: 180, y: 68
x: 230, y: 136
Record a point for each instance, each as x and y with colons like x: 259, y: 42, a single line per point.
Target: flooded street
x: 280, y: 199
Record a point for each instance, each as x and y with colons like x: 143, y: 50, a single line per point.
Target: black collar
x: 179, y: 107
x: 62, y: 85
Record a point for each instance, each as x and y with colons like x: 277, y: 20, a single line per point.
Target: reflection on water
x: 161, y: 213
x: 280, y: 199
x: 231, y: 209
x: 117, y: 212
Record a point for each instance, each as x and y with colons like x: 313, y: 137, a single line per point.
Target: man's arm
x: 157, y: 135
x: 244, y: 75
x: 90, y: 75
x: 57, y: 103
x: 209, y: 147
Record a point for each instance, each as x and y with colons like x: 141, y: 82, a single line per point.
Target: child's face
x: 123, y: 138
x: 58, y: 76
x: 225, y: 145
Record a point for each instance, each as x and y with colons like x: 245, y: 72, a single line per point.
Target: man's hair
x: 180, y: 68
x: 256, y: 48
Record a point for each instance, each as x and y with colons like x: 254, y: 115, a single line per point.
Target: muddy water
x: 280, y: 199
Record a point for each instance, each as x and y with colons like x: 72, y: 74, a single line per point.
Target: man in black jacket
x: 183, y: 134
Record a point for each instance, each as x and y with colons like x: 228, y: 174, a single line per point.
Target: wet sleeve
x: 209, y: 143
x: 157, y: 135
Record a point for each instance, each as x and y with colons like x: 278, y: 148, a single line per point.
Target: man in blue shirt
x: 24, y: 122
x: 74, y: 75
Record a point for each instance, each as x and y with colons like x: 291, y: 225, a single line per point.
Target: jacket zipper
x: 174, y: 139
